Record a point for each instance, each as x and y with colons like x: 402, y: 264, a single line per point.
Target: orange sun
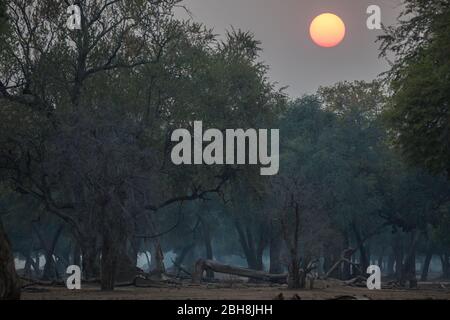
x: 327, y: 30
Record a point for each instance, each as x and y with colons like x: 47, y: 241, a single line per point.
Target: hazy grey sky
x: 283, y: 28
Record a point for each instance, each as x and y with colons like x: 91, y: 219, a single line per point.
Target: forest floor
x: 324, y: 290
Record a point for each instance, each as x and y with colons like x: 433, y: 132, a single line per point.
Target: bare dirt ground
x: 326, y: 290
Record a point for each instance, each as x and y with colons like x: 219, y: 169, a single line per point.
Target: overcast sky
x: 283, y: 28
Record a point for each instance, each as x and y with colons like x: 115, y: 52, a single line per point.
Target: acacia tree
x: 418, y: 114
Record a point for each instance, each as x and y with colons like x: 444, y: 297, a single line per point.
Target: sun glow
x: 327, y: 30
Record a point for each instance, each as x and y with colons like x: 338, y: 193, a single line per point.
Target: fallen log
x: 204, y: 265
x: 359, y: 281
x: 29, y: 282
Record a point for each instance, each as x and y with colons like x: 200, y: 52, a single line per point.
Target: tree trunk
x: 180, y: 257
x: 208, y: 247
x: 9, y: 281
x: 445, y: 266
x: 246, y: 241
x: 398, y: 254
x: 346, y: 267
x: 109, y: 261
x: 409, y: 266
x: 27, y: 269
x: 426, y: 265
x: 296, y: 276
x: 364, y: 256
x: 380, y: 261
x: 90, y: 259
x: 76, y: 258
x: 390, y: 265
x: 157, y: 267
x: 50, y: 271
x: 276, y: 243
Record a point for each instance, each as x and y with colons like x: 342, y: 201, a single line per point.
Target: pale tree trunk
x: 9, y: 281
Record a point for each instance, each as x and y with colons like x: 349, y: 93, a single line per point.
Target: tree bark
x: 108, y: 263
x: 276, y: 243
x: 9, y: 281
x: 157, y: 267
x: 426, y: 265
x: 364, y: 257
x: 390, y: 265
x: 445, y: 266
x: 90, y: 261
x: 296, y: 276
x: 208, y: 247
x: 409, y: 267
x: 246, y: 241
x: 50, y: 271
x: 346, y: 267
x: 76, y: 255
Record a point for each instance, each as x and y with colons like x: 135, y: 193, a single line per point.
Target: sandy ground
x: 223, y: 291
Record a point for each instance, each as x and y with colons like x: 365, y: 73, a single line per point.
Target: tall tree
x: 9, y: 282
x: 419, y: 112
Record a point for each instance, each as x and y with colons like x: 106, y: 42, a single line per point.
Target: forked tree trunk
x: 9, y: 281
x: 50, y: 271
x: 248, y: 246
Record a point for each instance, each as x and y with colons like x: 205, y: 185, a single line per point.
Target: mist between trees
x: 87, y: 177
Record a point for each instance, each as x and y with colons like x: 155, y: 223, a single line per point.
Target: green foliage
x: 419, y: 114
